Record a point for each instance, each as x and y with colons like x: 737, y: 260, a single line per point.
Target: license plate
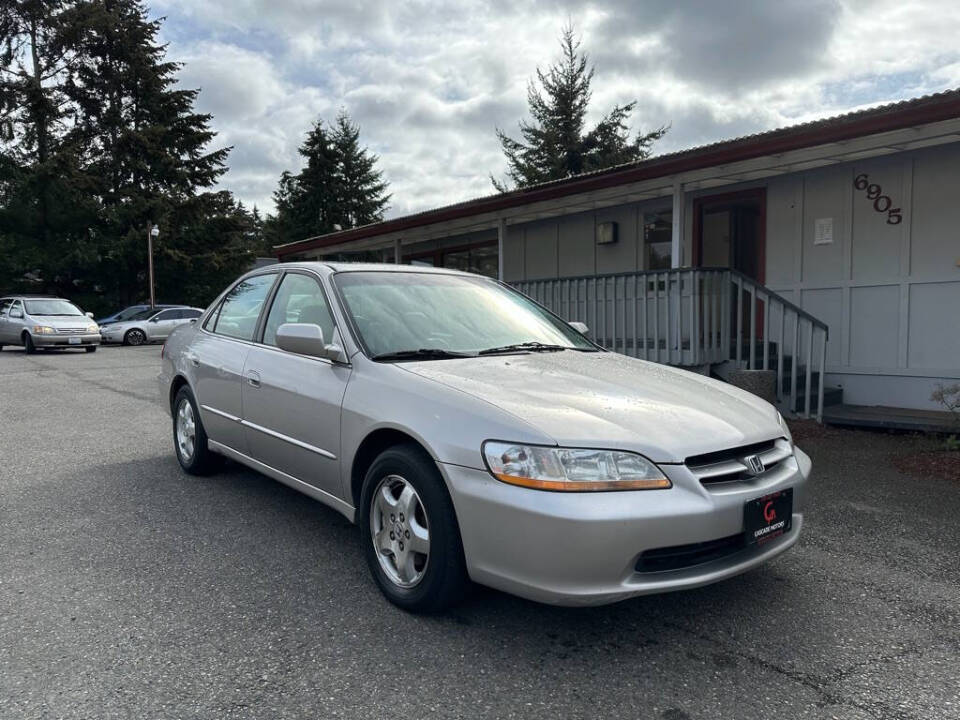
x: 768, y: 517
x: 74, y: 341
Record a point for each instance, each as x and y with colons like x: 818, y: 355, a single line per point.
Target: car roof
x: 32, y: 297
x: 337, y: 267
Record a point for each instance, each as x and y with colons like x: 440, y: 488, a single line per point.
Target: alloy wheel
x: 400, y: 532
x: 186, y: 430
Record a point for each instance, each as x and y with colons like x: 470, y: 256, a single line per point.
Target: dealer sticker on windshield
x: 769, y: 516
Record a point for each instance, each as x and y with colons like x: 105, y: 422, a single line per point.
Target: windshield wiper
x: 422, y: 354
x: 532, y: 346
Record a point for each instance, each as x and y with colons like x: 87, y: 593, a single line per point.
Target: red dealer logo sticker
x: 769, y: 512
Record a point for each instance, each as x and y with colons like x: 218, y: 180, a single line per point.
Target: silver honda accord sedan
x: 475, y: 436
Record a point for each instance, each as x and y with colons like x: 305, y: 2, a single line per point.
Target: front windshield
x: 397, y: 312
x: 53, y: 306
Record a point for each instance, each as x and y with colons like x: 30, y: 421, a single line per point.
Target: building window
x: 480, y: 258
x: 658, y: 239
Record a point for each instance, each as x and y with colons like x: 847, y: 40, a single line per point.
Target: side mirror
x: 89, y: 315
x: 579, y: 326
x: 16, y: 313
x: 154, y: 319
x: 307, y: 339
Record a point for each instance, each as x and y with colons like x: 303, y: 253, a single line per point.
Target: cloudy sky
x: 430, y: 81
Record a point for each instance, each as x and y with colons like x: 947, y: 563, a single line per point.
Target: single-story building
x: 828, y: 249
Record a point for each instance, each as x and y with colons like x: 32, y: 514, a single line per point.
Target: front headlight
x: 571, y: 469
x: 93, y: 327
x: 43, y: 330
x: 785, y: 429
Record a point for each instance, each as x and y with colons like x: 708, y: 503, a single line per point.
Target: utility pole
x: 152, y: 232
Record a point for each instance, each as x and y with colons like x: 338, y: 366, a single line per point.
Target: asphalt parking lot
x: 129, y: 589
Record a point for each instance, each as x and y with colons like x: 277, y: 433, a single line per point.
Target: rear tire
x: 28, y: 344
x: 92, y: 348
x: 189, y: 437
x: 406, y: 477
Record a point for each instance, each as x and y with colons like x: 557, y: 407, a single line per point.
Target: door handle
x: 253, y: 377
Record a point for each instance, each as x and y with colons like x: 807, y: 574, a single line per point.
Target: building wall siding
x: 890, y: 292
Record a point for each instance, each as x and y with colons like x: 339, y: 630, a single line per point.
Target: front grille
x: 71, y: 331
x: 730, y: 465
x: 679, y: 557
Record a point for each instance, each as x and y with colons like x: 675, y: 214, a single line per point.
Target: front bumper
x: 110, y: 336
x: 583, y: 548
x: 63, y: 340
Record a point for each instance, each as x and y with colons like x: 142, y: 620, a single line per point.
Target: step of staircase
x: 832, y: 396
x: 890, y: 418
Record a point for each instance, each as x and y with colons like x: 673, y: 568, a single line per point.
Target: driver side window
x: 299, y: 299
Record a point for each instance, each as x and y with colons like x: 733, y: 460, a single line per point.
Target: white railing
x: 697, y: 317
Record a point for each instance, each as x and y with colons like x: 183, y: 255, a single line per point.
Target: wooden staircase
x: 712, y: 320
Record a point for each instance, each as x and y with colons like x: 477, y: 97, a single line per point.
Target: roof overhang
x: 866, y: 134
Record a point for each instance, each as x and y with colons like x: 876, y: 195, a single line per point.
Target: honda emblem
x: 754, y: 464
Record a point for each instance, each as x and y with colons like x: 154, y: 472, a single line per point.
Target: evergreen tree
x: 96, y: 142
x: 146, y: 152
x: 555, y: 145
x: 44, y: 207
x: 339, y: 186
x: 361, y: 196
x: 313, y: 199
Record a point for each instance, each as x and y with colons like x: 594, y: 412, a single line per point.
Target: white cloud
x: 429, y: 81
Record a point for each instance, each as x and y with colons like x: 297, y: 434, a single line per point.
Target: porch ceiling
x: 750, y: 170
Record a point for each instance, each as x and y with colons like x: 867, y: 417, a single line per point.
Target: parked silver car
x: 44, y: 322
x: 150, y: 325
x: 473, y: 435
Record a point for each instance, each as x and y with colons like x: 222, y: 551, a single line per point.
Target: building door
x: 729, y: 231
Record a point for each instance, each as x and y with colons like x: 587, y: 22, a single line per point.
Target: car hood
x: 610, y: 400
x: 63, y: 321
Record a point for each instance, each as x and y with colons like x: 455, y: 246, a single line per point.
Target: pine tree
x: 146, y: 153
x: 314, y: 200
x: 339, y: 186
x: 554, y: 146
x: 44, y: 207
x: 97, y: 141
x: 361, y: 196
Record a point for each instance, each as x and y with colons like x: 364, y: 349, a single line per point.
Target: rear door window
x: 238, y: 313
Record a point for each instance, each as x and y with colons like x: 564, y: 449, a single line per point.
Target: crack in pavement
x: 103, y: 386
x: 814, y: 682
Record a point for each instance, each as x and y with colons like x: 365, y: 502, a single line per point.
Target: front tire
x: 28, y: 344
x: 134, y: 337
x: 189, y: 437
x: 409, y: 532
